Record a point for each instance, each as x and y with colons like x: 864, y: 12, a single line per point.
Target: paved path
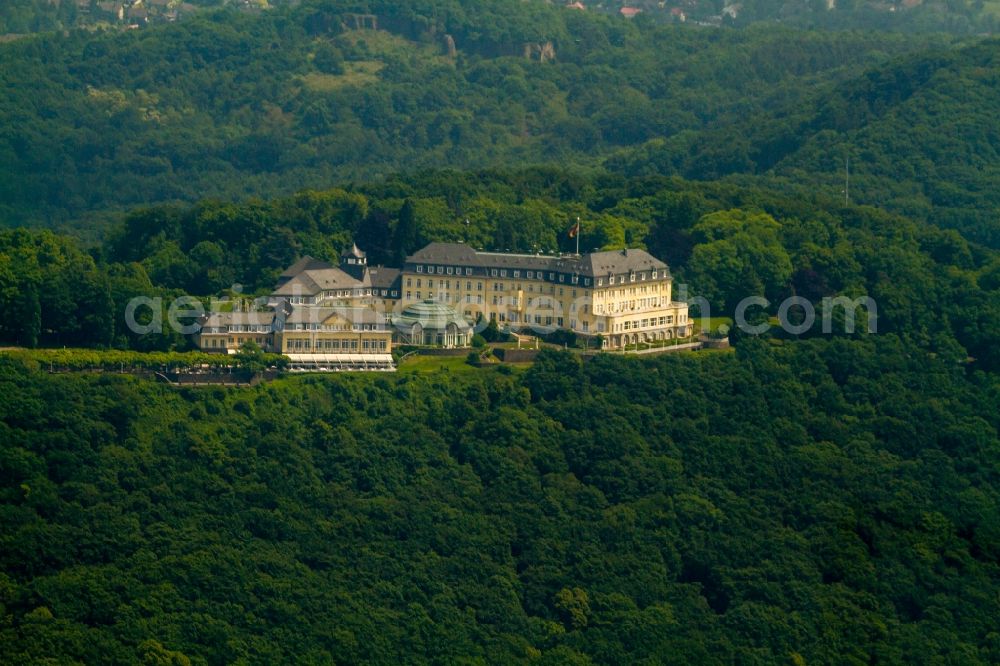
x: 661, y: 350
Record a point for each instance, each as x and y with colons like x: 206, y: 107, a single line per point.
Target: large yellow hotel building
x: 622, y: 296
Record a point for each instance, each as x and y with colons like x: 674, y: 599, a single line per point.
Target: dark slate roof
x: 595, y: 264
x: 444, y: 253
x: 311, y: 282
x: 306, y: 263
x: 621, y: 261
x: 382, y: 277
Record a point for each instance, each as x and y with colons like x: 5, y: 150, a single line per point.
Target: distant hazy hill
x: 230, y: 105
x: 921, y: 134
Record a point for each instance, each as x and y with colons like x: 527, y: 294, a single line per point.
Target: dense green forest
x: 920, y: 137
x: 827, y: 501
x: 812, y: 499
x: 933, y: 288
x: 229, y: 105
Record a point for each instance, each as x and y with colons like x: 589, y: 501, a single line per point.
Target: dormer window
x: 420, y: 269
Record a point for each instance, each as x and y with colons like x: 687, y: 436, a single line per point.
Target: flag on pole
x: 575, y: 229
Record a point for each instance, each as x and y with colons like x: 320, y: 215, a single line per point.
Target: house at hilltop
x: 352, y: 313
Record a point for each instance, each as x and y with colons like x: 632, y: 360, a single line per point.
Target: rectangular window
x: 468, y: 271
x: 552, y: 276
x: 420, y: 269
x: 517, y: 274
x: 449, y: 270
x: 493, y: 272
x: 531, y: 275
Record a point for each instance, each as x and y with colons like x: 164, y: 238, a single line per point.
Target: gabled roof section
x: 621, y: 261
x: 306, y: 263
x: 312, y: 282
x: 321, y: 315
x: 444, y: 253
x: 334, y: 278
x: 238, y: 318
x: 382, y: 277
x: 299, y: 285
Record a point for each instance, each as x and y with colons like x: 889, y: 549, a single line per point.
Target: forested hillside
x: 933, y: 288
x: 822, y: 502
x: 822, y: 498
x: 920, y: 135
x: 231, y: 105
